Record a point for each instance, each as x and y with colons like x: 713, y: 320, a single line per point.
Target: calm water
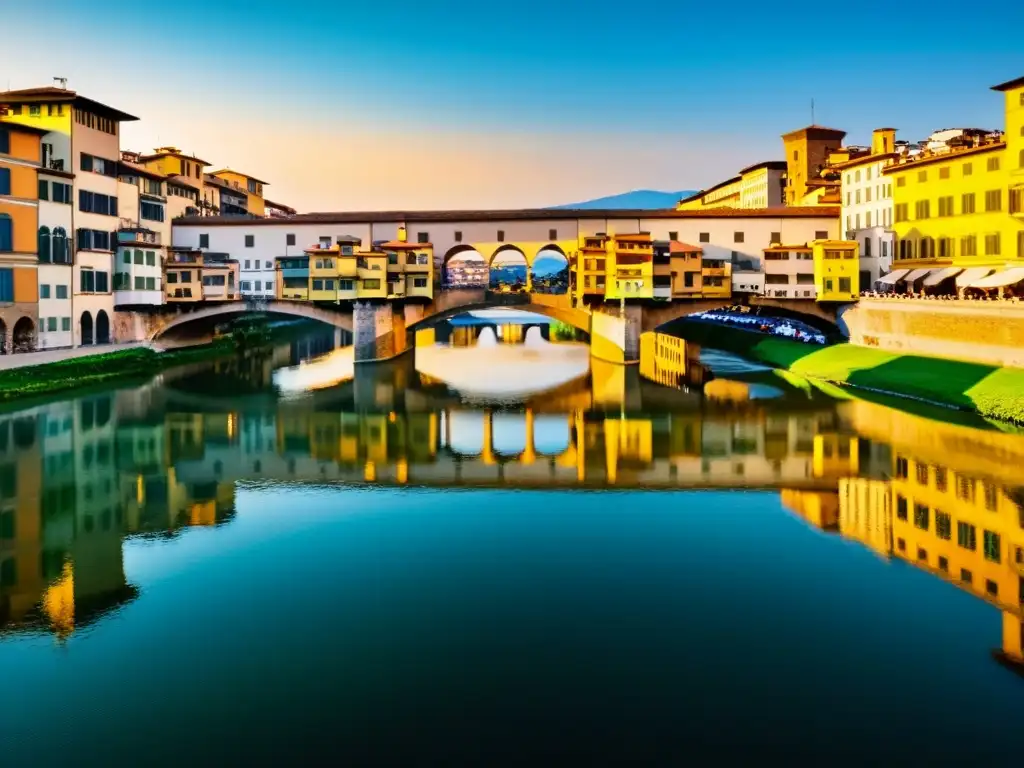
x: 380, y: 573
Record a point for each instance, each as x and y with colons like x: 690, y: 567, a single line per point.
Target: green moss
x: 996, y: 393
x: 88, y: 371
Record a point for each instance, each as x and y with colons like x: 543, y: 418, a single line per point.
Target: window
x: 423, y: 237
x: 419, y: 282
x: 943, y: 563
x: 51, y: 323
x: 204, y: 241
x: 946, y: 205
x: 346, y: 285
x: 901, y: 181
x: 943, y: 525
x: 501, y: 236
x: 318, y: 285
x: 458, y: 237
x: 138, y: 257
x: 921, y: 517
x: 844, y: 285
x: 902, y: 468
x: 94, y: 202
x: 44, y: 189
x: 968, y: 169
x: 140, y: 283
x: 93, y: 240
x: 250, y: 241
x: 151, y: 211
x: 150, y: 258
x: 43, y: 245
x: 6, y: 284
x: 65, y: 323
x: 737, y: 237
x: 289, y: 239
x: 150, y: 283
x: 828, y: 284
x: 5, y: 181
x: 251, y: 186
x: 44, y: 291
x: 371, y: 285
x: 944, y: 173
x: 62, y: 291
x: 969, y: 245
x: 87, y: 281
x: 5, y: 141
x: 993, y: 164
x: 994, y: 200
x: 60, y: 193
x: 172, y: 277
x: 704, y: 237
x: 901, y: 212
x: 552, y: 234
x: 688, y: 278
x: 992, y: 244
x: 990, y: 544
x: 967, y: 203
x: 945, y: 247
x: 922, y: 210
x: 966, y: 536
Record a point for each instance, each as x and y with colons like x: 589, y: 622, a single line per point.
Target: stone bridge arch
x: 160, y: 324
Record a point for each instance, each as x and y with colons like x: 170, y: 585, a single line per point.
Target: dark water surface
x: 198, y: 572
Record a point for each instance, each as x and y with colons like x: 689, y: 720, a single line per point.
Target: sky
x: 401, y: 104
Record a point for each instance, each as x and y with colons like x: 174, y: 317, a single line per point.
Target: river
x: 246, y: 561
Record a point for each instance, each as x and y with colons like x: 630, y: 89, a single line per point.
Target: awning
x: 893, y: 277
x: 917, y: 274
x: 939, y: 275
x: 1000, y: 279
x: 968, y: 276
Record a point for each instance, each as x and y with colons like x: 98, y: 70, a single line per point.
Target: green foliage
x: 563, y: 332
x: 993, y: 392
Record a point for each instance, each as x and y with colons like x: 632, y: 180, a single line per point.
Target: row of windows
x: 138, y: 257
x: 966, y: 533
x: 90, y: 120
x: 124, y: 282
x: 99, y: 165
x: 845, y: 286
x: 884, y: 220
x: 882, y: 192
x: 257, y: 285
x: 94, y: 202
x: 54, y: 191
x: 966, y: 487
x: 966, y: 169
x: 94, y: 240
x: 174, y: 190
x: 36, y: 110
x: 50, y: 324
x: 57, y: 292
x: 968, y: 205
x: 151, y: 211
x: 801, y: 279
x: 945, y: 247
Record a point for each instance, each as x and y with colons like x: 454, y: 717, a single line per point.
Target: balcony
x: 373, y: 270
x: 419, y: 264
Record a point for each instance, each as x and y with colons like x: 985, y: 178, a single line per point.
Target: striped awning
x: 939, y: 275
x: 893, y: 277
x: 968, y: 276
x: 1000, y: 279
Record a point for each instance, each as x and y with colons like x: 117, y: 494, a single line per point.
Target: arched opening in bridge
x: 24, y: 338
x: 102, y: 328
x: 85, y: 328
x: 549, y: 272
x: 509, y: 271
x: 463, y: 267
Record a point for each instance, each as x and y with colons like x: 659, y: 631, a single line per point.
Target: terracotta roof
x: 52, y: 94
x: 399, y: 245
x: 642, y: 237
x: 863, y: 160
x: 1009, y: 84
x: 780, y: 248
x: 772, y: 165
x: 914, y: 163
x: 139, y: 170
x: 239, y: 173
x: 819, y: 129
x: 158, y: 155
x: 525, y: 214
x: 675, y: 246
x: 271, y: 204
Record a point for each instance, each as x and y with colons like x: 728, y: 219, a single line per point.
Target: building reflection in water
x: 78, y: 477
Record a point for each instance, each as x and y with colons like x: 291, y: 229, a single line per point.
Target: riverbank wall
x: 993, y: 391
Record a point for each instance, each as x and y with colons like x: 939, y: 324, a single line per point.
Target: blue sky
x: 459, y: 103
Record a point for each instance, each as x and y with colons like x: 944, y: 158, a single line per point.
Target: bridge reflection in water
x: 79, y: 477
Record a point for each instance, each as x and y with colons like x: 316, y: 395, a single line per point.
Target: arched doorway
x: 85, y: 326
x: 463, y: 267
x: 549, y: 272
x: 24, y: 338
x: 509, y: 272
x: 102, y: 328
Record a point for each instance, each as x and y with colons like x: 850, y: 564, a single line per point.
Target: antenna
x: 812, y: 111
x: 63, y: 82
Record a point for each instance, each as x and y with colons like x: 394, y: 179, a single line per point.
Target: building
x: 807, y: 153
x: 185, y: 192
x: 789, y: 272
x: 725, y: 194
x: 277, y: 210
x: 222, y: 198
x: 250, y: 185
x: 867, y: 206
x: 763, y: 185
x: 81, y: 137
x: 145, y: 230
x: 20, y: 160
x: 958, y: 209
x: 56, y: 259
x: 836, y: 270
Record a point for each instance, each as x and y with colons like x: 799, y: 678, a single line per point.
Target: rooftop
x: 53, y: 94
x: 771, y: 165
x: 1009, y: 85
x: 402, y: 245
x: 171, y: 152
x: 820, y: 130
x: 524, y: 214
x: 927, y: 158
x: 239, y: 173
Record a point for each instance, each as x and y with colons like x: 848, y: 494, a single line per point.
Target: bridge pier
x: 378, y: 331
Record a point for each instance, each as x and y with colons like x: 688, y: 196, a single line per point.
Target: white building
x: 867, y: 208
x: 56, y: 195
x: 145, y: 229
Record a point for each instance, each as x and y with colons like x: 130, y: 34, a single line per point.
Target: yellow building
x: 807, y: 152
x: 958, y: 214
x: 191, y: 275
x: 725, y: 194
x: 630, y: 267
x: 836, y: 270
x: 250, y: 185
x: 171, y: 161
x: 410, y: 269
x: 20, y: 157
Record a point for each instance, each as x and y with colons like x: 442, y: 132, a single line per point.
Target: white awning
x: 939, y: 275
x: 917, y: 274
x: 968, y: 276
x: 893, y: 277
x: 1000, y: 279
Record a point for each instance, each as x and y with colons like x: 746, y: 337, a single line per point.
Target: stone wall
x: 974, y: 331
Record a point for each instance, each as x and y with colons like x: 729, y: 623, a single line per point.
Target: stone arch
x: 550, y: 271
x: 85, y: 328
x: 505, y: 248
x: 24, y: 335
x: 459, y: 250
x: 291, y: 309
x: 578, y: 318
x: 102, y: 327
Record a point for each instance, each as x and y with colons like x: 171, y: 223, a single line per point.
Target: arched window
x: 59, y: 246
x: 6, y: 233
x: 5, y: 181
x: 44, y: 244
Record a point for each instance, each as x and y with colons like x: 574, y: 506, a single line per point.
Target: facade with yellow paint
x: 250, y: 185
x: 958, y: 211
x: 836, y: 270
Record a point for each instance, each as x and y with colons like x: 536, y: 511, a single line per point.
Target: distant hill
x: 648, y: 199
